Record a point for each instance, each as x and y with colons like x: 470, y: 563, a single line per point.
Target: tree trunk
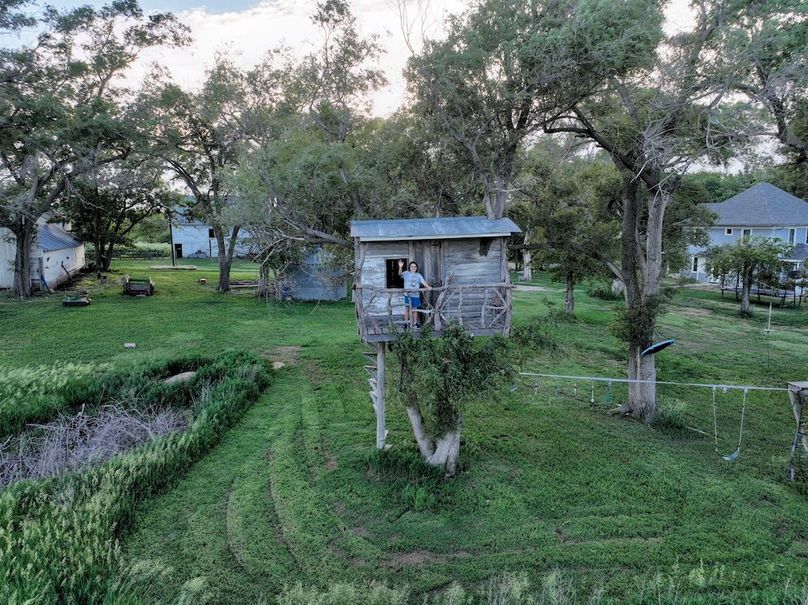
x: 527, y: 270
x: 746, y: 290
x: 107, y: 260
x: 425, y: 445
x: 225, y: 253
x: 569, y: 303
x: 24, y: 237
x: 495, y: 191
x: 443, y: 452
x: 263, y: 280
x: 641, y: 395
x: 447, y: 451
x: 641, y: 276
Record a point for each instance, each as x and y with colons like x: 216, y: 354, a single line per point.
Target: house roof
x: 762, y: 205
x: 51, y: 237
x: 432, y: 228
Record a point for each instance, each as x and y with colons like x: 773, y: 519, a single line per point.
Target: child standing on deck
x: 412, y: 283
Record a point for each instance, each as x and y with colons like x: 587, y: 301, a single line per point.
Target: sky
x: 247, y: 29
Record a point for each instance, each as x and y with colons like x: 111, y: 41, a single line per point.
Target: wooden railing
x: 481, y: 308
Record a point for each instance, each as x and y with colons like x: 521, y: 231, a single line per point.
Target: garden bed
x: 59, y: 535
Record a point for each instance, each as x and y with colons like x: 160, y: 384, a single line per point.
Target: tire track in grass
x: 218, y: 523
x: 319, y: 540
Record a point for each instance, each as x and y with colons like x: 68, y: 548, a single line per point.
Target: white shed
x: 55, y: 255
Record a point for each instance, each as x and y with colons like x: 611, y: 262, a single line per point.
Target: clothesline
x: 723, y: 387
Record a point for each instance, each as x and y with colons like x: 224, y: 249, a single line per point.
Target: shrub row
x: 37, y: 393
x: 59, y: 537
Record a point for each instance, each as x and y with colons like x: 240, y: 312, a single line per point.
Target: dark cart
x: 138, y: 286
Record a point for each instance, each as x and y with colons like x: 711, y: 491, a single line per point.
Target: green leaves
x: 444, y: 373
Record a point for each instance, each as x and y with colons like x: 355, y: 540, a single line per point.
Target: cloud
x: 249, y: 34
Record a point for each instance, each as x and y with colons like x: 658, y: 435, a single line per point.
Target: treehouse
x: 463, y: 259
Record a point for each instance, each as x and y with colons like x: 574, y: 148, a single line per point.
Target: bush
x: 143, y: 250
x: 534, y: 335
x: 37, y: 393
x: 604, y: 292
x: 59, y: 537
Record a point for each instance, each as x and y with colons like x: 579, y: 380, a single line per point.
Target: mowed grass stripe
x: 219, y: 522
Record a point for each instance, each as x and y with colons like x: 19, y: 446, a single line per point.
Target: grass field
x: 550, y: 482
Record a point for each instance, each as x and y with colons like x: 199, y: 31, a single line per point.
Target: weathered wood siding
x: 373, y: 273
x: 465, y: 264
x: 451, y: 262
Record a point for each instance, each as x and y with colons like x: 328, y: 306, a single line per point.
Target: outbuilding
x: 317, y: 277
x: 55, y: 256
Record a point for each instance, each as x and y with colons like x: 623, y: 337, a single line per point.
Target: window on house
x: 695, y: 264
x: 394, y: 280
x: 728, y: 231
x: 210, y: 233
x: 792, y: 236
x: 746, y: 233
x: 806, y: 235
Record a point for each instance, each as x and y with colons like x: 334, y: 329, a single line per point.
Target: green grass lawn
x: 550, y: 482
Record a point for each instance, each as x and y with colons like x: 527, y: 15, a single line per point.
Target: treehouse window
x: 211, y: 235
x: 394, y: 280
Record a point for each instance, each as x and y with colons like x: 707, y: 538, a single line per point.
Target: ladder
x: 375, y: 370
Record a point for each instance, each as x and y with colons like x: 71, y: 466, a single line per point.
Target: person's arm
x: 400, y: 266
x: 426, y: 285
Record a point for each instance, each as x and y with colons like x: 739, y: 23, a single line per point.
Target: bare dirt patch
x: 283, y: 356
x: 415, y: 558
x: 525, y: 288
x: 693, y: 312
x: 331, y: 463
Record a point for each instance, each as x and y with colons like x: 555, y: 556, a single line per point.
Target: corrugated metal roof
x: 432, y: 228
x: 53, y: 237
x: 762, y: 205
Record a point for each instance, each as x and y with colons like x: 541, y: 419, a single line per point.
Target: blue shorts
x: 412, y: 301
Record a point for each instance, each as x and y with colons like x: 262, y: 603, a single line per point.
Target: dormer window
x: 792, y: 236
x: 728, y: 231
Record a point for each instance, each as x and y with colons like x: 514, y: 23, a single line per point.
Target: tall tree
x: 751, y: 260
x: 311, y: 172
x: 59, y: 108
x: 506, y: 68
x: 106, y: 204
x: 564, y: 202
x: 764, y: 44
x: 654, y: 123
x: 199, y: 136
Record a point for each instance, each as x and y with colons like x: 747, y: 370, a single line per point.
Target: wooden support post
x: 798, y: 394
x: 381, y: 431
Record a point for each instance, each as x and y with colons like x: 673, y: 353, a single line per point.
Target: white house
x: 763, y: 210
x: 55, y: 256
x: 194, y: 239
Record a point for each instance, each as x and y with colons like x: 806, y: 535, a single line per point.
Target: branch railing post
x: 487, y: 318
